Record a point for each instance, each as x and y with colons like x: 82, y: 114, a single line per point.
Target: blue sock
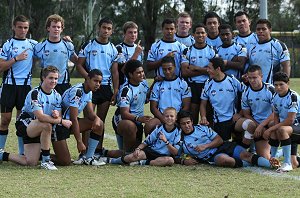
x: 3, y: 137
x: 245, y: 163
x: 273, y: 151
x: 92, y: 145
x: 1, y: 156
x: 21, y: 145
x: 116, y: 161
x: 263, y: 162
x: 287, y: 153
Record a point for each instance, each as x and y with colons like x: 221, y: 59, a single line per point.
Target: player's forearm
x: 76, y: 130
x: 5, y: 65
x: 217, y: 141
x: 151, y: 65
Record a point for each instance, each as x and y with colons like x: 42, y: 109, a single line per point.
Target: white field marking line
x: 271, y: 173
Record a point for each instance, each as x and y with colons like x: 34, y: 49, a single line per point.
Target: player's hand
x: 81, y: 147
x: 244, y: 78
x: 172, y: 54
x: 66, y: 123
x: 136, y: 152
x: 259, y: 131
x: 113, y: 99
x: 266, y: 134
x: 144, y: 119
x: 162, y: 136
x: 55, y: 114
x: 23, y: 55
x: 67, y: 38
x: 204, y: 121
x: 96, y: 124
x: 200, y: 147
x: 190, y: 161
x: 138, y: 49
x: 158, y: 79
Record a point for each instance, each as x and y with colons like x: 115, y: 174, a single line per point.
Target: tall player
x: 57, y: 52
x: 184, y: 24
x: 16, y: 64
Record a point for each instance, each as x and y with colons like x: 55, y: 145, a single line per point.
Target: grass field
x: 142, y: 181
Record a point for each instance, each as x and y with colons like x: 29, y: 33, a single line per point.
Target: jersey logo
x: 15, y: 49
x: 94, y: 52
x: 193, y: 59
x: 46, y: 52
x: 161, y: 51
x: 213, y: 92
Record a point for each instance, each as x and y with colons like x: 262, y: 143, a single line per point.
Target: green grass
x: 126, y: 181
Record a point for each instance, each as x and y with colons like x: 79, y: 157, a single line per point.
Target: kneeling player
x: 160, y: 146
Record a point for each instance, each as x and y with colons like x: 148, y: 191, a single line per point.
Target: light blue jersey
x: 185, y: 40
x: 160, y: 146
x: 100, y: 56
x: 222, y: 95
x: 20, y: 72
x: 199, y: 57
x: 161, y: 48
x: 268, y: 55
x: 229, y: 52
x: 259, y: 102
x: 214, y: 42
x: 289, y: 103
x: 56, y: 54
x: 76, y: 97
x: 128, y: 51
x: 200, y: 136
x: 37, y: 99
x: 170, y: 93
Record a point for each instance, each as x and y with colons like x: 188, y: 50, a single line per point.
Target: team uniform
x: 161, y: 48
x: 56, y: 54
x: 170, y: 93
x: 216, y: 91
x: 133, y: 97
x: 185, y: 40
x: 35, y: 100
x: 268, y: 55
x: 100, y: 56
x: 199, y: 57
x: 214, y: 42
x: 156, y: 147
x: 16, y: 81
x: 228, y: 53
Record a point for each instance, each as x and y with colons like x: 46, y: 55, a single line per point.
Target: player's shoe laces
x: 79, y: 161
x: 48, y: 165
x: 275, y: 163
x: 285, y: 168
x: 92, y: 161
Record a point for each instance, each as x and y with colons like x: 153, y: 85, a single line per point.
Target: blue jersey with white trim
x: 128, y: 51
x: 229, y: 52
x: 20, y: 72
x: 214, y: 42
x: 199, y: 57
x: 259, y: 102
x: 287, y: 104
x: 156, y: 144
x: 100, y: 56
x: 247, y: 41
x: 268, y: 55
x: 222, y: 95
x: 200, y: 136
x: 185, y: 40
x: 76, y: 97
x: 161, y: 48
x: 170, y: 93
x: 37, y: 99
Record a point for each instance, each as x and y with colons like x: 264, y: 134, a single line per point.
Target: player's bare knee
x: 47, y: 127
x: 170, y: 161
x: 5, y: 122
x: 245, y: 156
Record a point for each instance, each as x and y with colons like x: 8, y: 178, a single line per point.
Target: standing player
x: 184, y: 24
x: 286, y: 115
x: 42, y: 109
x: 129, y: 116
x: 101, y: 54
x: 233, y: 54
x: 16, y: 64
x: 167, y: 46
x: 221, y: 91
x: 271, y: 54
x: 212, y: 22
x: 160, y: 147
x: 172, y: 91
x: 57, y: 52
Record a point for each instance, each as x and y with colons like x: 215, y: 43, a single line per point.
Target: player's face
x: 105, y: 31
x: 21, y: 29
x: 212, y: 25
x: 211, y: 71
x: 242, y: 23
x: 200, y: 35
x: 226, y: 36
x: 94, y: 83
x: 169, y: 70
x: 170, y: 117
x: 184, y: 25
x: 255, y: 79
x: 50, y: 81
x: 281, y: 87
x: 137, y: 76
x: 186, y: 124
x: 55, y: 30
x: 263, y: 32
x: 131, y: 35
x: 169, y: 31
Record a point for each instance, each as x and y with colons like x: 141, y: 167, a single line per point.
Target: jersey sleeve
x: 294, y: 106
x: 242, y: 50
x: 125, y: 97
x: 152, y: 53
x: 58, y: 106
x: 186, y: 91
x: 283, y: 53
x: 154, y: 96
x: 152, y: 136
x: 5, y: 53
x: 245, y: 104
x: 74, y: 97
x: 204, y: 94
x: 35, y: 101
x: 211, y: 134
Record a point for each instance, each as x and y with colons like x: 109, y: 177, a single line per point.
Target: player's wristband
x: 138, y: 149
x: 167, y: 143
x: 136, y: 118
x: 15, y: 59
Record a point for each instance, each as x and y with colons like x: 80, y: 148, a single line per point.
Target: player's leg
x: 162, y: 161
x: 150, y: 126
x: 262, y: 147
x: 283, y: 134
x: 128, y: 130
x: 5, y: 120
x: 225, y: 160
x: 127, y: 159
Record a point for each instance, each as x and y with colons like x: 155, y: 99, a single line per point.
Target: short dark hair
x: 241, y: 13
x: 254, y: 68
x: 281, y: 76
x: 20, y: 18
x: 225, y: 26
x: 199, y: 25
x: 184, y: 114
x: 218, y: 62
x: 105, y: 20
x: 131, y: 66
x: 94, y: 72
x: 168, y: 59
x: 211, y: 15
x: 49, y: 69
x: 264, y: 21
x: 168, y: 21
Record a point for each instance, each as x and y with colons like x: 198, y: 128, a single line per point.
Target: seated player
x: 160, y: 146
